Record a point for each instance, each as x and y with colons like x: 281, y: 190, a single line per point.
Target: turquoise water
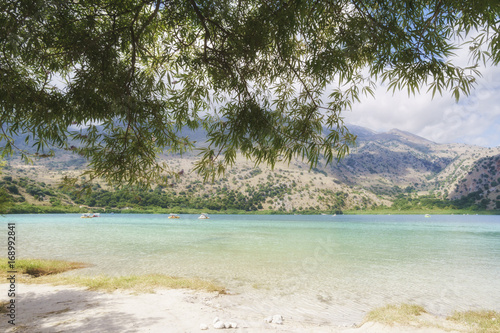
x: 332, y: 268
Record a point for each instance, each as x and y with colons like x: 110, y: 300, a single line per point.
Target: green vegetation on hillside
x: 472, y: 201
x: 29, y: 196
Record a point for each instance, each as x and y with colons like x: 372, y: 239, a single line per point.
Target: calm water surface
x: 333, y: 268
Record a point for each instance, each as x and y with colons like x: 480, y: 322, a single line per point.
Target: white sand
x: 47, y: 308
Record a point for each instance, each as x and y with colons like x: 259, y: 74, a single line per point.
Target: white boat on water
x: 204, y: 216
x: 90, y: 215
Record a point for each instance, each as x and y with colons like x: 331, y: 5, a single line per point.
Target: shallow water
x: 321, y: 268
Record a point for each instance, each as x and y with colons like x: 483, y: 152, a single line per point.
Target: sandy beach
x: 48, y: 308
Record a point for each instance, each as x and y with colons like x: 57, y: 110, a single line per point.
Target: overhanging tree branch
x: 139, y: 62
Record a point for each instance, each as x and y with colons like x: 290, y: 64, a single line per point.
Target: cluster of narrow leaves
x: 117, y: 81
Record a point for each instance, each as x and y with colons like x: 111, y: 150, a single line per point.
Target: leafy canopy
x: 264, y: 78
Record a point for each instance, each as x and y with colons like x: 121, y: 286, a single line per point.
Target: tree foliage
x: 269, y: 79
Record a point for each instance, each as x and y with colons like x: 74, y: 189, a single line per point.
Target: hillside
x: 482, y: 181
x: 382, y: 168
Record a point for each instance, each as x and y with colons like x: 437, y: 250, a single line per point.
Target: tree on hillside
x: 5, y: 198
x: 261, y: 77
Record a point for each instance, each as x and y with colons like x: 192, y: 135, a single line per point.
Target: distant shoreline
x: 25, y: 209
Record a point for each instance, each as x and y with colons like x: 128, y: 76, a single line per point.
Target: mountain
x: 386, y: 162
x: 482, y: 181
x: 381, y: 168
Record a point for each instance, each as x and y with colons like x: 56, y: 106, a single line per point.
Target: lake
x: 321, y: 268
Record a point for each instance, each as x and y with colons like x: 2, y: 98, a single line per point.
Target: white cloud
x: 475, y: 119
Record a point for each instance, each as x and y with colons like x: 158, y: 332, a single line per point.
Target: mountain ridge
x: 380, y: 168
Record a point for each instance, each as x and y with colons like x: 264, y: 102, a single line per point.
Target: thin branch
x: 150, y: 18
x: 203, y: 22
x: 366, y: 14
x: 134, y: 42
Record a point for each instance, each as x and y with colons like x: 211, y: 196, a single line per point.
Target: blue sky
x: 475, y: 119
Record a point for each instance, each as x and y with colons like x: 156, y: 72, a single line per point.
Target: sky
x: 475, y: 119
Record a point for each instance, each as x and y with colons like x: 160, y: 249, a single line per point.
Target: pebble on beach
x: 203, y: 327
x: 276, y: 319
x: 219, y: 324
